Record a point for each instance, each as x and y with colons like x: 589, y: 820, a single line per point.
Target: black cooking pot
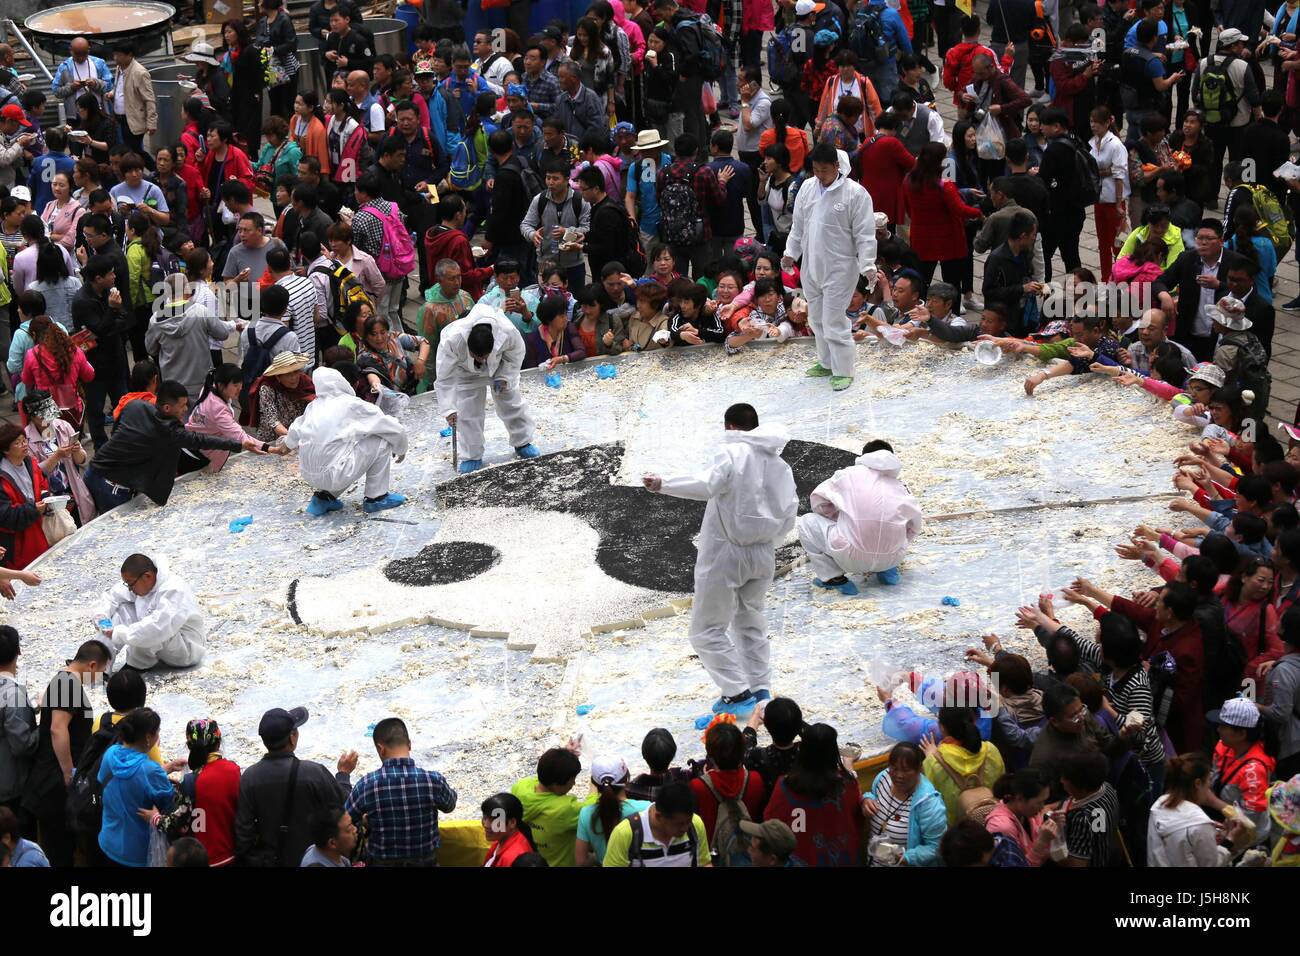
x: 147, y: 24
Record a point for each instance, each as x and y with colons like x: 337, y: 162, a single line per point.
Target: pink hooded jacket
x: 635, y: 39
x: 876, y: 518
x: 757, y: 15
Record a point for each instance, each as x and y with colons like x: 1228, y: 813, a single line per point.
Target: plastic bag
x: 990, y: 141
x: 157, y: 848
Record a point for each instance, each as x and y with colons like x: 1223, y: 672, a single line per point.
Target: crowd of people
x: 658, y: 176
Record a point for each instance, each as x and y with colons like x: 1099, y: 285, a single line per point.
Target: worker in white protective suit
x: 834, y: 234
x: 480, y: 353
x: 154, y: 618
x: 863, y: 519
x: 340, y: 440
x: 752, y: 503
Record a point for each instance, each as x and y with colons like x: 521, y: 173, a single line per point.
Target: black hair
x: 391, y: 732
x: 783, y: 720
x: 170, y: 392
x: 906, y: 754
x: 1015, y: 674
x: 1220, y: 549
x: 1121, y: 644
x: 92, y: 652
x: 509, y: 806
x: 959, y: 724
x: 1062, y: 655
x: 324, y: 825
x: 658, y: 749
x: 1168, y: 361
x: 9, y: 645
x: 274, y: 300
x: 137, y: 726
x: 742, y: 417
x: 188, y: 852
x: 1085, y: 769
x: 1026, y: 783
x: 1252, y: 528
x: 126, y: 690
x: 1201, y: 574
x: 551, y: 308
x: 675, y: 799
x: 1058, y: 697
x: 480, y: 340
x: 1180, y: 599
x: 966, y: 843
x: 817, y: 772
x: 557, y: 766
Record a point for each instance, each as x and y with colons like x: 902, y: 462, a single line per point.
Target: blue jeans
x: 106, y: 494
x: 730, y: 94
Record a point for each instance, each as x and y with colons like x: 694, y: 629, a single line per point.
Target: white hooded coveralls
x: 752, y: 502
x: 341, y: 437
x: 164, y: 626
x: 834, y: 232
x: 863, y: 519
x: 462, y: 386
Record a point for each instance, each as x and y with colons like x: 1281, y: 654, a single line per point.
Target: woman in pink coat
x: 56, y: 366
x: 213, y: 414
x: 1139, y: 269
x: 863, y: 520
x: 756, y: 16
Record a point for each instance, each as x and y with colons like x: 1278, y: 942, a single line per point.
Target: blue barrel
x: 411, y: 17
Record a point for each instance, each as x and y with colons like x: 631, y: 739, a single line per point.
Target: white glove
x: 871, y: 277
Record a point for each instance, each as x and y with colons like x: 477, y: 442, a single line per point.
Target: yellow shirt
x: 155, y: 754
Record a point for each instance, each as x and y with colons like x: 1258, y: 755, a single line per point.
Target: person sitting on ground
x: 155, y: 617
x: 550, y: 808
x: 609, y: 779
x: 862, y: 521
x: 340, y: 439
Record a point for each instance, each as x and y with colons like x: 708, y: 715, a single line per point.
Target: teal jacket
x: 926, y: 824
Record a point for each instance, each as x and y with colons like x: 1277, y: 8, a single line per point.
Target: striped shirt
x: 1090, y: 826
x: 893, y: 820
x: 301, y: 316
x: 1127, y: 695
x: 401, y: 803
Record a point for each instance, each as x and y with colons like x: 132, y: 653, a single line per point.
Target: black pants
x: 958, y: 273
x: 109, y: 383
x: 1225, y: 140
x: 947, y: 27
x: 751, y: 48
x: 282, y: 98
x: 753, y: 161
x: 1201, y: 346
x: 142, y: 315
x: 56, y: 840
x: 517, y: 18
x: 1062, y: 231
x: 697, y: 258
x: 689, y: 93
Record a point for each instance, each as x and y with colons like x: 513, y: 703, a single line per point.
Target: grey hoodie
x: 179, y: 335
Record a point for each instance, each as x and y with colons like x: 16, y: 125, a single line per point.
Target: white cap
x: 1237, y: 712
x: 609, y: 770
x: 21, y: 193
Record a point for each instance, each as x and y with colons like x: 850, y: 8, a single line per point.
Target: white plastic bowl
x: 988, y: 353
x: 58, y: 502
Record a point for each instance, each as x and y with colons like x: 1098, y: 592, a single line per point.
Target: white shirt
x: 1204, y: 325
x: 1109, y: 151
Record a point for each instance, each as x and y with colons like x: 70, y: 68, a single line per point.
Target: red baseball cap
x: 15, y: 112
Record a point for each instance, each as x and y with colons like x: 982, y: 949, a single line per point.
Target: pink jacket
x: 1126, y: 270
x: 1003, y: 821
x: 611, y: 166
x: 635, y: 38
x: 214, y: 416
x: 40, y: 371
x: 757, y: 15
x: 876, y: 517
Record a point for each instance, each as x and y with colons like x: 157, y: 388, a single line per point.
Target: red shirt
x: 829, y: 831
x: 885, y: 161
x: 938, y: 220
x: 505, y: 852
x: 729, y: 783
x: 216, y: 793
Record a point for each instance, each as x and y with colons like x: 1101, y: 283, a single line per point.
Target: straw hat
x: 286, y: 362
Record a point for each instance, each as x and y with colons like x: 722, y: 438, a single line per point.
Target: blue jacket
x: 895, y: 28
x: 131, y: 782
x: 926, y: 824
x: 27, y: 853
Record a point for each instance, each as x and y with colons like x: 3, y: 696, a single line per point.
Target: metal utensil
x: 455, y: 454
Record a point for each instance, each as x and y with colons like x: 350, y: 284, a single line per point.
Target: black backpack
x: 85, y: 800
x: 258, y: 358
x: 636, y: 855
x: 1084, y: 188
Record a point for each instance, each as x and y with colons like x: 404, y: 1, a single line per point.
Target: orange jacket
x: 865, y: 91
x: 312, y: 143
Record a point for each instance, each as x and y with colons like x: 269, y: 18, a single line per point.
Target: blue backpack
x: 781, y: 67
x: 466, y: 171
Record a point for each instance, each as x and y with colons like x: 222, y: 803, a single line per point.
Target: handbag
x: 281, y: 71
x: 57, y: 525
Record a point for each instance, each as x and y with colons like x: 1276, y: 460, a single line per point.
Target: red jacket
x: 216, y: 793
x: 237, y: 167
x: 441, y: 242
x: 1069, y: 83
x: 20, y: 523
x: 938, y: 230
x: 884, y: 161
x: 505, y: 852
x: 757, y: 15
x: 957, y: 72
x: 742, y: 783
x: 1187, y: 719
